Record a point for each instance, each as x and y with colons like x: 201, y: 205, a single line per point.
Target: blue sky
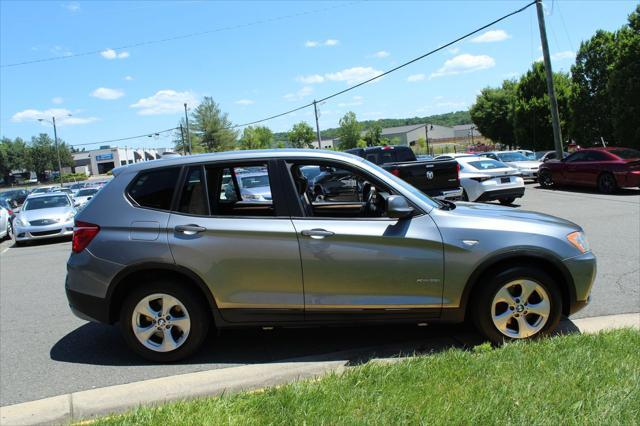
x: 257, y: 70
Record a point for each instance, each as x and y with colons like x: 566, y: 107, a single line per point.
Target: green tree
x: 14, y: 155
x: 373, y: 136
x: 532, y: 118
x: 259, y: 137
x: 349, y: 131
x: 180, y: 141
x: 301, y: 135
x: 42, y: 154
x: 212, y: 127
x: 493, y: 112
x: 590, y: 101
x: 624, y: 84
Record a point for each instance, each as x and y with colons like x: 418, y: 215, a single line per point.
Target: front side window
x: 577, y: 156
x: 154, y: 189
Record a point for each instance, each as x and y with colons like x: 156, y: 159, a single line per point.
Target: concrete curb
x: 119, y: 398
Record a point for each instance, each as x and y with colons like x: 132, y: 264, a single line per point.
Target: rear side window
x: 194, y: 197
x: 155, y: 189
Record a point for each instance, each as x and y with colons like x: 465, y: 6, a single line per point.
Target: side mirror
x: 398, y: 207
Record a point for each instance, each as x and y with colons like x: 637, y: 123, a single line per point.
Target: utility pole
x: 555, y: 117
x: 184, y: 147
x: 315, y: 108
x: 55, y: 138
x: 186, y: 119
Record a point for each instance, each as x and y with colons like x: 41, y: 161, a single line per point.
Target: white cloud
x: 463, y: 64
x: 302, y: 93
x: 310, y: 79
x: 128, y: 78
x: 245, y: 102
x: 61, y: 51
x: 353, y: 75
x: 165, y: 102
x: 107, y: 94
x: 491, y: 36
x: 328, y: 42
x: 112, y: 54
x: 355, y: 101
x: 381, y: 54
x: 415, y: 77
x: 73, y: 6
x: 62, y: 116
x: 560, y: 56
x: 454, y: 50
x: 57, y: 100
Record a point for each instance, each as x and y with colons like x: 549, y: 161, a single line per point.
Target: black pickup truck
x: 436, y: 178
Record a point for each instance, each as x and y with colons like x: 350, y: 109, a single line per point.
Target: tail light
x: 10, y: 212
x: 458, y: 171
x: 395, y: 172
x: 83, y: 233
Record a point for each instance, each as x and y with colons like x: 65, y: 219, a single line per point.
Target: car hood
x: 59, y: 213
x: 509, y: 213
x: 524, y: 164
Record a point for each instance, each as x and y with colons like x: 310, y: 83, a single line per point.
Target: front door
x: 357, y: 263
x: 234, y: 238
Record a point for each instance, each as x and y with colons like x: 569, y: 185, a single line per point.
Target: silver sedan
x: 47, y: 215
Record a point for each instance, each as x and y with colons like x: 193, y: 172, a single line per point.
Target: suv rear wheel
x: 518, y: 303
x: 163, y: 321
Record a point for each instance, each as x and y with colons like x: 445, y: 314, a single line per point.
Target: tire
x: 154, y: 295
x: 545, y: 179
x: 507, y: 201
x: 487, y: 305
x: 607, y: 183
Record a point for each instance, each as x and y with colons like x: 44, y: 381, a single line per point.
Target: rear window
x: 626, y: 154
x: 405, y: 155
x: 487, y: 164
x: 154, y: 189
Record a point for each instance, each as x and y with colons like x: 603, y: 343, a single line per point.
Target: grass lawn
x: 577, y: 379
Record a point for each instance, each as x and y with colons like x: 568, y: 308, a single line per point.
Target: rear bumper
x: 628, y: 180
x: 501, y: 193
x: 449, y: 194
x: 86, y: 307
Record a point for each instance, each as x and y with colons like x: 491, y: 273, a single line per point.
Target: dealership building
x: 100, y: 161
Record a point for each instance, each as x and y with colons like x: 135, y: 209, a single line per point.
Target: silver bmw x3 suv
x: 173, y: 247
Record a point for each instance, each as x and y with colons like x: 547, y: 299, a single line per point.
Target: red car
x: 604, y: 168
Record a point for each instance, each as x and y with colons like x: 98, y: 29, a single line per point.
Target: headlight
x: 21, y: 222
x: 579, y: 241
x: 69, y: 216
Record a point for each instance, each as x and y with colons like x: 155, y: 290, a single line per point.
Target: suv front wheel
x: 518, y: 303
x: 164, y: 321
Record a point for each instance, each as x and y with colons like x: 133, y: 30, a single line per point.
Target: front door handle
x: 189, y: 229
x: 317, y: 233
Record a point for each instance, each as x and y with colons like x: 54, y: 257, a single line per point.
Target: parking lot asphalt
x: 46, y: 351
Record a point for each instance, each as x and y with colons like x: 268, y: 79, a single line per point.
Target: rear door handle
x: 189, y: 229
x: 317, y: 233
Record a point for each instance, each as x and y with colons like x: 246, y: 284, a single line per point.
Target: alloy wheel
x: 161, y: 322
x: 520, y: 309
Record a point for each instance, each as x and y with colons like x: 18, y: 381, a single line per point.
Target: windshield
x: 86, y: 192
x: 41, y: 190
x: 511, y: 156
x: 255, y: 181
x: 530, y: 155
x: 626, y: 154
x: 487, y: 164
x: 47, y: 202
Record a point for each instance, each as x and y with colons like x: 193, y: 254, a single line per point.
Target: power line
x: 127, y: 138
x: 183, y: 36
x: 431, y: 52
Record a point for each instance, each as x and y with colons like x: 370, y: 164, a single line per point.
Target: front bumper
x: 583, y: 270
x: 30, y: 233
x: 528, y: 174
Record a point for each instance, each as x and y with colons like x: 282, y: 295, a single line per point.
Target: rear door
x: 245, y: 249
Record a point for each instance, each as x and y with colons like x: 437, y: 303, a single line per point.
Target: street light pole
x: 186, y: 119
x: 315, y: 108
